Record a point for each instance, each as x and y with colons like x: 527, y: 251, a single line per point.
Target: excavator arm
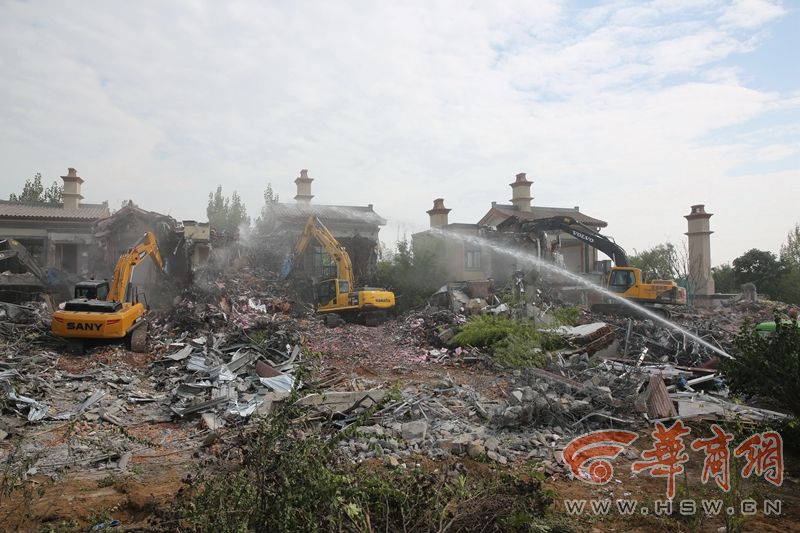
x: 571, y: 226
x: 315, y: 229
x: 120, y: 285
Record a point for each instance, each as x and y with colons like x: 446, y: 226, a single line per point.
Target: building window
x: 472, y: 259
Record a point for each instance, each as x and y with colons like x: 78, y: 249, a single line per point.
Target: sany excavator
x: 102, y: 312
x: 338, y: 295
x: 622, y: 279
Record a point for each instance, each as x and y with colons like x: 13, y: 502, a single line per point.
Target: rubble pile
x: 234, y: 345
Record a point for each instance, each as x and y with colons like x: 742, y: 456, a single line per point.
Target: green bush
x: 519, y: 351
x: 511, y: 343
x: 567, y: 316
x: 767, y: 366
x: 486, y: 330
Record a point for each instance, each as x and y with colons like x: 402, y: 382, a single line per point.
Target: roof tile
x: 28, y: 210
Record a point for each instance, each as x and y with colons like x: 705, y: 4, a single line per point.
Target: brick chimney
x: 521, y: 193
x: 72, y: 189
x: 699, y: 233
x: 303, y: 183
x: 438, y: 214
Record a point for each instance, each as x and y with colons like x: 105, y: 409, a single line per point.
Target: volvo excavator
x: 622, y: 279
x: 338, y: 295
x: 100, y: 311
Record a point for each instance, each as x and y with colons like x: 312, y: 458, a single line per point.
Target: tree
x: 270, y: 197
x: 790, y: 250
x: 759, y: 267
x: 725, y: 279
x: 659, y: 262
x: 226, y: 214
x: 264, y: 220
x: 33, y: 191
x: 412, y: 274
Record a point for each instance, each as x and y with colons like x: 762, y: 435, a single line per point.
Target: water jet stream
x: 521, y: 254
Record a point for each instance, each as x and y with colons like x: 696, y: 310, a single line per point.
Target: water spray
x: 521, y: 254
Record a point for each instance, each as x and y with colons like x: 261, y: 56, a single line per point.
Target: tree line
x: 774, y: 275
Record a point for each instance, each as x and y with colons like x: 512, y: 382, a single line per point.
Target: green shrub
x: 529, y: 348
x: 567, y: 316
x: 511, y: 343
x: 519, y: 351
x: 486, y: 330
x: 767, y: 366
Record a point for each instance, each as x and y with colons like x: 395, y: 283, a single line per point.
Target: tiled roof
x: 28, y: 210
x: 331, y: 213
x: 538, y: 212
x: 128, y: 211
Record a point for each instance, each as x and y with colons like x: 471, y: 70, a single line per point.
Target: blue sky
x: 632, y: 110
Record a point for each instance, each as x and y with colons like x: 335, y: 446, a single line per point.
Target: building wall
x: 63, y: 245
x: 456, y: 259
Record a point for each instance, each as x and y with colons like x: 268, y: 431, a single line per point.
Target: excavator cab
x: 326, y: 292
x: 621, y: 279
x: 92, y: 289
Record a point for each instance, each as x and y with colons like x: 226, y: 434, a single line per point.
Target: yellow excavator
x: 623, y: 279
x: 102, y: 312
x: 338, y: 295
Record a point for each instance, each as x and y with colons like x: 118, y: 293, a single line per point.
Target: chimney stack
x: 521, y: 193
x: 303, y: 183
x: 699, y: 233
x: 72, y: 189
x: 438, y: 214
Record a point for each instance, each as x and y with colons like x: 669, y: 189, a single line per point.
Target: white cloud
x: 747, y: 14
x: 388, y: 103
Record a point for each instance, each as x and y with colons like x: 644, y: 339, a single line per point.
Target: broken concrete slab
x: 415, y: 430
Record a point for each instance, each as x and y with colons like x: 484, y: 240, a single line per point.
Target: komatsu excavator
x: 622, y: 279
x: 338, y: 295
x: 102, y: 312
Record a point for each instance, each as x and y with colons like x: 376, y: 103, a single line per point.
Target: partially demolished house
x: 467, y: 258
x: 182, y: 247
x: 64, y: 243
x: 56, y: 235
x: 355, y: 227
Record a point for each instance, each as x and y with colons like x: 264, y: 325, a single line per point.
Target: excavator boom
x: 315, y: 229
x: 120, y: 285
x: 571, y: 226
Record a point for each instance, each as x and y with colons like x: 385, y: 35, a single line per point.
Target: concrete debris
x: 232, y: 345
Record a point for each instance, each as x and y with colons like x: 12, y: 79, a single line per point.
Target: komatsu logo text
x: 91, y: 326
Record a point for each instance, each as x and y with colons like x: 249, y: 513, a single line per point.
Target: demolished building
x: 58, y: 236
x: 355, y: 227
x: 466, y: 258
x: 183, y: 247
